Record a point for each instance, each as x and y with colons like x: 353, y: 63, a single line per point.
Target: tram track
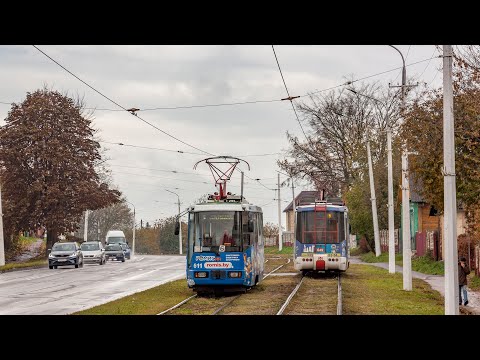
x: 289, y: 299
x: 223, y: 306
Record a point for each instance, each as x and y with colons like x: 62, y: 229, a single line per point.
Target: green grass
x: 371, y: 290
x: 473, y: 281
x: 30, y: 263
x: 426, y: 265
x: 274, y: 250
x: 148, y: 302
x: 28, y: 240
x: 356, y: 251
x: 371, y: 258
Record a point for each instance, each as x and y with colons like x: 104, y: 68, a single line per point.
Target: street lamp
x: 391, y: 224
x: 179, y: 222
x: 407, y: 245
x: 133, y: 235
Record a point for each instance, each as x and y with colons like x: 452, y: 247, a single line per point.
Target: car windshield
x: 63, y: 247
x: 124, y: 246
x: 90, y: 247
x: 112, y: 247
x: 116, y: 239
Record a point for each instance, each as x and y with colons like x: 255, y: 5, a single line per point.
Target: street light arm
x: 404, y: 70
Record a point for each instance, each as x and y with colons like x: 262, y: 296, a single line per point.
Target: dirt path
x: 32, y: 251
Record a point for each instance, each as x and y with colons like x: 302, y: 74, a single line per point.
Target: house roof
x: 303, y: 197
x: 415, y: 188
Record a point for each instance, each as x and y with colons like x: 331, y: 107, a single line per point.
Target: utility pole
x: 279, y: 217
x: 391, y: 224
x: 133, y: 230
x: 2, y: 247
x: 85, y: 230
x: 374, y: 203
x: 406, y: 240
x: 407, y: 244
x: 98, y: 229
x: 449, y: 190
x: 294, y: 219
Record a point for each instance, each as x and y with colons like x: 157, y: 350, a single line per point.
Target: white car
x: 93, y: 252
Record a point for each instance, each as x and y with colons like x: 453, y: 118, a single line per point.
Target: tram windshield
x: 217, y: 231
x: 325, y: 227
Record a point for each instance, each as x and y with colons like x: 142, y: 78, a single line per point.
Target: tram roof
x: 225, y: 206
x: 330, y: 207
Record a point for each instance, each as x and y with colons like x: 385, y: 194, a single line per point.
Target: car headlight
x: 73, y: 255
x: 51, y: 256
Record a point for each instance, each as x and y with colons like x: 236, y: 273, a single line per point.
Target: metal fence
x: 288, y: 239
x: 384, y: 240
x: 427, y: 242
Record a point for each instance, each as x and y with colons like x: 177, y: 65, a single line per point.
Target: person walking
x: 463, y: 271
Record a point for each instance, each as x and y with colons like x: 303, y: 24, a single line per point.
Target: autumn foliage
x: 48, y: 155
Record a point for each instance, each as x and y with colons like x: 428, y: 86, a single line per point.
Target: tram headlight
x: 235, y: 274
x: 201, y: 274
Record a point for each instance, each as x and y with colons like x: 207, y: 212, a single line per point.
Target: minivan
x: 115, y: 237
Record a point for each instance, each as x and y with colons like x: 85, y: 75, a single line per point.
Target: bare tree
x: 339, y: 124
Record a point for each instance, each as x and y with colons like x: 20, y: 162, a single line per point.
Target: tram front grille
x: 218, y: 274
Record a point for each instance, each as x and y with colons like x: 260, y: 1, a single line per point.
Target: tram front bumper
x: 320, y: 263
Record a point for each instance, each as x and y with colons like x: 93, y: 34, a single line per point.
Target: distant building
x: 303, y: 197
x: 426, y: 225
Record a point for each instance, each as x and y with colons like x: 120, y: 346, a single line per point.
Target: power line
x: 196, y: 106
x: 162, y: 170
x: 434, y: 50
x: 120, y: 106
x: 369, y: 76
x: 151, y: 148
x: 289, y: 97
x: 179, y: 151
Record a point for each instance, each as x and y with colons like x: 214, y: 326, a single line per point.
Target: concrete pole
x: 374, y: 203
x: 391, y: 225
x: 2, y: 246
x: 85, y: 228
x: 407, y: 244
x: 280, y: 245
x: 294, y: 220
x: 449, y: 190
x: 133, y: 234
x: 180, y: 223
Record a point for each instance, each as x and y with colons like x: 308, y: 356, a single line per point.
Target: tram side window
x: 260, y: 228
x: 191, y: 237
x: 249, y: 226
x: 254, y: 217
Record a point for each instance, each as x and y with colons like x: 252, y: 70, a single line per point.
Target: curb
x: 24, y: 268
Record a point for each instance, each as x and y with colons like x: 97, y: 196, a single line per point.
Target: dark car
x: 126, y: 250
x: 114, y: 251
x: 64, y: 254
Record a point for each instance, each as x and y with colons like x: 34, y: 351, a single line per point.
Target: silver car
x: 93, y: 252
x: 64, y: 254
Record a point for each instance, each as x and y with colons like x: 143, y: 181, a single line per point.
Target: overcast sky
x: 173, y: 76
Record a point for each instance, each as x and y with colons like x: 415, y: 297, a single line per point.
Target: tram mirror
x: 250, y: 226
x: 177, y: 228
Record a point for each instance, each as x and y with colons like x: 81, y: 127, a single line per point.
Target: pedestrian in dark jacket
x: 463, y: 271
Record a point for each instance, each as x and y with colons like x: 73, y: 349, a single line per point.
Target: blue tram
x: 225, y: 245
x: 321, y: 239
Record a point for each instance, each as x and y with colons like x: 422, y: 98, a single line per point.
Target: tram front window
x: 217, y: 231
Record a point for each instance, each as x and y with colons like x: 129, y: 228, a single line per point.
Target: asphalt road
x: 66, y: 290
